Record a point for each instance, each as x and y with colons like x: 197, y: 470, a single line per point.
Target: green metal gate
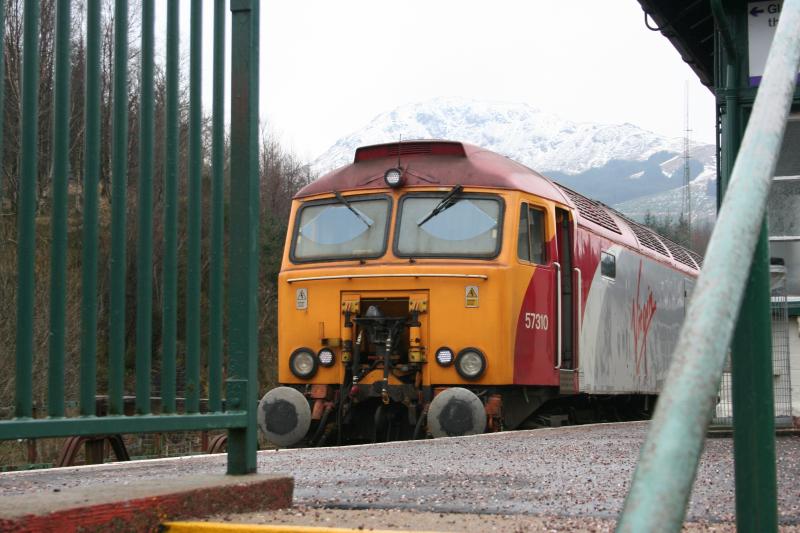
x: 236, y: 412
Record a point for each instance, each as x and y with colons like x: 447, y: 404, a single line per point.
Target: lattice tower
x: 686, y: 204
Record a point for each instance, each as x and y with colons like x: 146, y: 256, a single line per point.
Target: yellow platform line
x: 222, y: 527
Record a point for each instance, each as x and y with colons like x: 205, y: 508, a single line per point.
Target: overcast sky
x: 327, y: 67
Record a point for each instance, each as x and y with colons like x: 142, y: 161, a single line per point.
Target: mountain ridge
x: 618, y: 164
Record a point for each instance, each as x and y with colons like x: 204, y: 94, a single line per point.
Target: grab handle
x: 558, y: 313
x: 580, y: 307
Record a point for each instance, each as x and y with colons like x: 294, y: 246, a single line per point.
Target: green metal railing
x: 237, y: 412
x: 735, y: 274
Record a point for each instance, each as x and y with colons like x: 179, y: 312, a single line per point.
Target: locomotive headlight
x: 393, y: 177
x: 444, y: 356
x: 325, y: 357
x: 303, y: 363
x: 470, y: 363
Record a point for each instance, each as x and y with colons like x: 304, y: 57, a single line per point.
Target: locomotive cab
x: 362, y: 274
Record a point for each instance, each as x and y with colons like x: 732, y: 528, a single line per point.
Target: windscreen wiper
x: 348, y: 205
x: 448, y: 201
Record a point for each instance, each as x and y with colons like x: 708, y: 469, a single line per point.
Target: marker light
x: 325, y: 357
x: 393, y: 177
x: 444, y: 356
x: 470, y: 363
x: 303, y: 363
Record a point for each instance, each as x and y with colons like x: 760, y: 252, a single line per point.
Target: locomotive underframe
x: 363, y: 416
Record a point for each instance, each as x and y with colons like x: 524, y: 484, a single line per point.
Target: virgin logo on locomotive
x: 641, y: 317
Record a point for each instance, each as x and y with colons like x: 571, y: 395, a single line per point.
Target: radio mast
x: 686, y: 204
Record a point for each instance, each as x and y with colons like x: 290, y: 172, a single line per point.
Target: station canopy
x: 689, y: 26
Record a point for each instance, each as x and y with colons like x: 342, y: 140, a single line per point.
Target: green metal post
x: 58, y: 226
x: 119, y: 179
x: 751, y: 350
x: 193, y: 266
x: 753, y: 402
x: 144, y: 248
x: 2, y: 91
x: 732, y: 130
x: 242, y: 384
x: 217, y: 214
x: 670, y: 455
x: 90, y: 184
x: 26, y: 239
x: 730, y: 53
x: 170, y: 215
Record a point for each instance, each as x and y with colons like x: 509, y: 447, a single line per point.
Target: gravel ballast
x: 580, y: 472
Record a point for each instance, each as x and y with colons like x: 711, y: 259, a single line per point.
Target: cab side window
x: 608, y: 265
x: 530, y: 236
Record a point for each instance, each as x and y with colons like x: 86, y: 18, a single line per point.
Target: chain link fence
x: 781, y: 381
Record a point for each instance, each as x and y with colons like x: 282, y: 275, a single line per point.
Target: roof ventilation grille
x: 648, y: 238
x: 679, y: 253
x: 380, y: 151
x: 410, y: 148
x: 591, y: 210
x: 697, y: 258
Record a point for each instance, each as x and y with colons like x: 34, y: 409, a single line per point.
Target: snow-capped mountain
x: 668, y: 203
x: 614, y: 163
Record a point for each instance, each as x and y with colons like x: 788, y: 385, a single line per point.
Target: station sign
x: 762, y: 19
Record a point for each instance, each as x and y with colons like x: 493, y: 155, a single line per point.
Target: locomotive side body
x: 631, y: 324
x: 462, y: 298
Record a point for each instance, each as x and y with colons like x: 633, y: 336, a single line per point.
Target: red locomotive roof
x: 447, y: 163
x: 435, y: 163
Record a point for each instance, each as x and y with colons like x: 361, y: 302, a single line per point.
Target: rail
x: 238, y: 413
x: 668, y: 463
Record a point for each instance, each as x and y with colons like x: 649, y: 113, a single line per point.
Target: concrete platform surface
x: 580, y: 471
x: 140, y: 504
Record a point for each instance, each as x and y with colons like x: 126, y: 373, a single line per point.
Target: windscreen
x: 468, y: 226
x: 334, y: 230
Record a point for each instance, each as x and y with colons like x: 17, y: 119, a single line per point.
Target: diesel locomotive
x: 438, y: 288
